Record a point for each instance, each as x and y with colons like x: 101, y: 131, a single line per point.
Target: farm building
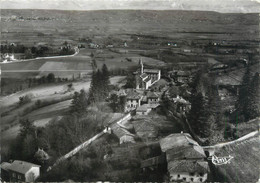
x: 180, y: 76
x: 133, y: 100
x: 20, y: 171
x: 152, y: 98
x: 185, y: 158
x: 146, y: 77
x: 182, y: 105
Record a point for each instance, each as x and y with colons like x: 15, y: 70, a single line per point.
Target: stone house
x: 21, y: 171
x: 185, y: 158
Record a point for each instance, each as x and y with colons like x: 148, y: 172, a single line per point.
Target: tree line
x: 248, y: 104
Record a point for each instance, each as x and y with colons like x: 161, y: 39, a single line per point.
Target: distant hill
x: 55, y: 25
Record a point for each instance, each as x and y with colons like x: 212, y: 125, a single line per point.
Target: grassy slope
x: 244, y: 167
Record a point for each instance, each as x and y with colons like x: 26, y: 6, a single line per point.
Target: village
x: 129, y: 107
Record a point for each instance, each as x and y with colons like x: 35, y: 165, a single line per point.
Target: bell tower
x: 141, y: 66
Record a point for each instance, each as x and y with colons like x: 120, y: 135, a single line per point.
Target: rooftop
x: 183, y: 73
x: 143, y: 108
x: 5, y: 165
x: 180, y: 100
x: 147, y: 79
x: 177, y: 140
x: 156, y: 71
x: 151, y: 95
x: 188, y: 166
x: 21, y: 166
x: 144, y: 75
x: 133, y: 95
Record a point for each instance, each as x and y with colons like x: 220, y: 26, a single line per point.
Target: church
x: 146, y: 77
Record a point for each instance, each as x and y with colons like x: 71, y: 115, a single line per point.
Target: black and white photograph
x: 130, y: 91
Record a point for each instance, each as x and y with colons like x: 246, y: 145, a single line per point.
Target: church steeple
x: 141, y: 66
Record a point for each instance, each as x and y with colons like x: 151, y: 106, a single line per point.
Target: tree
x: 29, y: 146
x: 28, y: 54
x: 114, y: 102
x: 252, y: 103
x: 122, y: 103
x: 51, y: 78
x: 130, y: 81
x: 243, y: 98
x: 25, y: 99
x: 27, y: 127
x: 105, y: 79
x: 79, y: 102
x: 98, y: 91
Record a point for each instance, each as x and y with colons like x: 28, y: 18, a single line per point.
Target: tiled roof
x: 147, y: 79
x: 144, y: 75
x: 5, y: 165
x: 156, y: 71
x: 142, y: 108
x: 183, y: 73
x: 180, y: 100
x: 22, y: 166
x: 188, y: 166
x: 189, y: 152
x: 133, y: 95
x: 151, y: 95
x: 176, y: 140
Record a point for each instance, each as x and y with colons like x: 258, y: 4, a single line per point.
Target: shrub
x: 25, y: 99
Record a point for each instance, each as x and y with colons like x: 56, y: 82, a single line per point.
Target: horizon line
x: 126, y: 9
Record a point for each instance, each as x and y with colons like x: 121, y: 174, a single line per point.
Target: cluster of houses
x: 184, y: 158
x: 140, y: 98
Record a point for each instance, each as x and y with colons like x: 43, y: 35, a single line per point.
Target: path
x: 89, y: 141
x: 37, y: 58
x: 211, y: 149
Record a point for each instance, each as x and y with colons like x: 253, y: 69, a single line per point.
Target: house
x: 182, y: 105
x: 21, y: 171
x: 146, y: 77
x: 5, y: 171
x: 180, y: 76
x: 185, y: 158
x: 152, y: 98
x: 133, y: 100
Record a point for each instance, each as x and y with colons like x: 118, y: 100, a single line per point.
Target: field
x: 64, y: 67
x: 71, y: 25
x: 60, y: 103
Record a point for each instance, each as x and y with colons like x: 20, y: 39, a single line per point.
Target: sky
x: 224, y: 6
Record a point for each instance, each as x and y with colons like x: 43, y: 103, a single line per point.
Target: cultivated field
x: 61, y: 67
